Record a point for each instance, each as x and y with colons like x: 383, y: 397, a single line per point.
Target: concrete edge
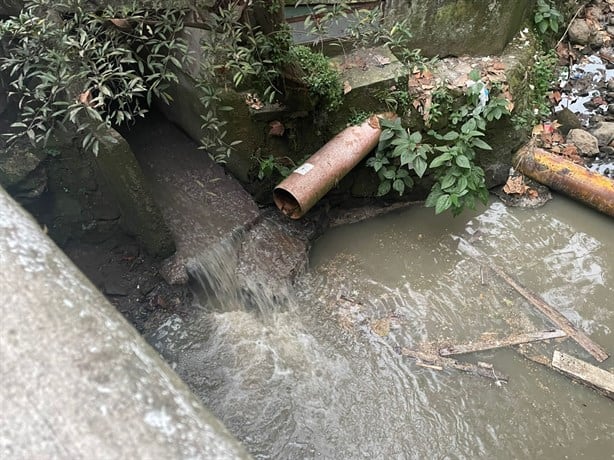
x: 78, y: 381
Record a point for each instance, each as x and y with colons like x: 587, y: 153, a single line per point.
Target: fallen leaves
x: 276, y: 128
x: 253, y: 101
x: 548, y: 136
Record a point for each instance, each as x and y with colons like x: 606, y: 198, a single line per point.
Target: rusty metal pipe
x: 308, y: 183
x: 562, y: 175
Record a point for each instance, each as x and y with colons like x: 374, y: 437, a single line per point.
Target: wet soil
x: 130, y: 280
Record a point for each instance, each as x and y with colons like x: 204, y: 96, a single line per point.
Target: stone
x: 174, y: 271
x: 604, y: 132
x: 580, y: 32
x: 568, y: 120
x: 141, y: 216
x: 17, y: 161
x: 586, y: 143
x: 611, y: 85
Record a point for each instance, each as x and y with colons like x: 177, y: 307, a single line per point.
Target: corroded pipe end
x: 287, y: 203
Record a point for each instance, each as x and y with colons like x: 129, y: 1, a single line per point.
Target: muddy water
x: 320, y: 376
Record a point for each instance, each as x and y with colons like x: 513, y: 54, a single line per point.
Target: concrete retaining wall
x: 77, y: 381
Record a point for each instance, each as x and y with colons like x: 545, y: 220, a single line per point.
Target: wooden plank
x: 585, y: 373
x: 437, y: 362
x: 516, y: 339
x: 553, y: 315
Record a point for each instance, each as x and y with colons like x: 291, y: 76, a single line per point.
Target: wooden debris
x: 585, y: 373
x: 593, y: 377
x: 516, y: 339
x: 437, y: 362
x: 553, y: 315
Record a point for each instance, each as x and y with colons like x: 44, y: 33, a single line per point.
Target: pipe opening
x: 287, y: 203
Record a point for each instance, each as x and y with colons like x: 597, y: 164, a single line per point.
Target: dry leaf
x: 381, y: 61
x: 120, y: 23
x: 538, y: 130
x: 253, y: 101
x: 85, y: 97
x: 554, y: 96
x: 381, y: 327
x: 346, y: 87
x: 276, y: 128
x: 515, y: 186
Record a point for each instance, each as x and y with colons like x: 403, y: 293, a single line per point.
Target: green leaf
x: 463, y: 162
x: 386, y: 134
x: 447, y: 181
x: 474, y: 75
x: 420, y: 166
x: 407, y: 157
x: 450, y: 136
x: 543, y: 27
x: 390, y: 174
x: 399, y: 186
x: 440, y: 160
x: 443, y: 203
x: 384, y: 188
x: 479, y: 143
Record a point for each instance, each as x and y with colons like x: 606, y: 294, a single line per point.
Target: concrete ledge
x: 77, y: 381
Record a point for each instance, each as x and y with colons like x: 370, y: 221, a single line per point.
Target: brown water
x: 320, y: 376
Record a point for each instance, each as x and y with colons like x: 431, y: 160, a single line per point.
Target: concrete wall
x: 77, y: 381
x: 459, y: 27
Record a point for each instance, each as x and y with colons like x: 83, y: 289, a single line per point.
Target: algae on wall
x: 461, y: 27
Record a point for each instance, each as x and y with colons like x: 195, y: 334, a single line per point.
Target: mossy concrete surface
x: 141, y: 216
x: 461, y: 27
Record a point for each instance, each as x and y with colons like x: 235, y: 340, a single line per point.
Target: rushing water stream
x: 321, y: 376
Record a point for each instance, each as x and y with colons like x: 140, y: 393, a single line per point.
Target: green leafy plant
x: 357, y: 117
x: 547, y: 17
x: 78, y: 70
x: 274, y: 166
x: 541, y: 77
x: 237, y: 55
x: 449, y: 155
x: 321, y: 78
x: 399, y: 151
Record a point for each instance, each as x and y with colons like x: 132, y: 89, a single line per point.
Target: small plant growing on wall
x: 547, y: 17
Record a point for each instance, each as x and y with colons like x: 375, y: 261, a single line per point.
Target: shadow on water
x: 313, y: 371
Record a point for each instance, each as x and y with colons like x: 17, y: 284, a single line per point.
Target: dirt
x: 130, y: 280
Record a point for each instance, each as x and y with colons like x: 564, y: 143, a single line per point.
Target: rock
x: 586, y: 143
x: 568, y: 120
x: 141, y: 216
x: 611, y: 85
x: 580, y: 32
x: 604, y: 132
x: 16, y: 163
x: 174, y: 271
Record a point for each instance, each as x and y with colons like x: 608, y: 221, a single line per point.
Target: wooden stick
x: 436, y: 362
x: 553, y: 315
x: 585, y: 373
x: 516, y: 339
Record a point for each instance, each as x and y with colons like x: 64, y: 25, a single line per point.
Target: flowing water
x: 319, y: 374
